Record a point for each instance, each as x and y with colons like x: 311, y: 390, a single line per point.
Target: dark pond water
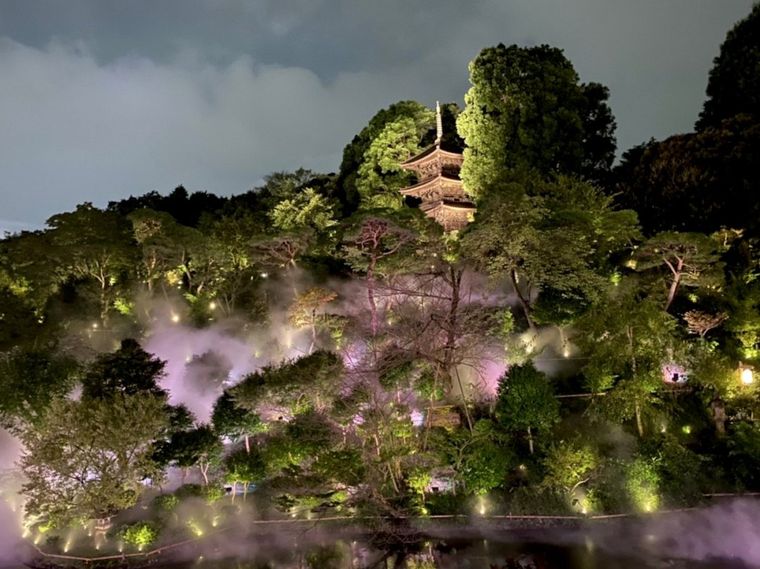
x: 565, y: 551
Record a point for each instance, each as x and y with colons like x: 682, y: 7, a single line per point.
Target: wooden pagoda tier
x: 432, y: 161
x: 440, y: 189
x: 452, y: 215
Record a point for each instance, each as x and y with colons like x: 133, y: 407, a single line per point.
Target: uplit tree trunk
x: 677, y: 271
x: 637, y: 403
x: 524, y: 302
x: 247, y: 443
x: 452, y: 333
x: 530, y: 440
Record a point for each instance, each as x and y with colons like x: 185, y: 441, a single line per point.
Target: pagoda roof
x: 452, y: 205
x: 440, y: 179
x: 429, y: 154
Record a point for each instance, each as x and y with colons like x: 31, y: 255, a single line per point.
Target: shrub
x: 140, y: 534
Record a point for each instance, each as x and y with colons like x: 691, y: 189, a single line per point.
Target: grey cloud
x: 100, y: 99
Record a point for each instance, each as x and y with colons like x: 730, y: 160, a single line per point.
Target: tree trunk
x: 371, y: 298
x: 530, y: 441
x: 639, y: 423
x: 524, y: 302
x: 247, y: 444
x: 452, y: 324
x: 677, y: 272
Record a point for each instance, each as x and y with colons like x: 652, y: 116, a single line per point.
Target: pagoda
x: 439, y: 187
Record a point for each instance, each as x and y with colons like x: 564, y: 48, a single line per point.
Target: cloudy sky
x: 100, y: 99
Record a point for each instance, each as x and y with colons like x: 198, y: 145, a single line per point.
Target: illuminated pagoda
x: 439, y: 188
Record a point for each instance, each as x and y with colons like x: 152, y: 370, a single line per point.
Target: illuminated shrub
x: 140, y: 534
x: 642, y: 485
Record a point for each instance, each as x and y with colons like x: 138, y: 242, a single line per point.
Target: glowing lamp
x: 175, y: 317
x: 212, y: 305
x: 747, y: 376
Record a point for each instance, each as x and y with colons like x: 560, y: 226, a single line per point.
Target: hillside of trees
x: 586, y: 345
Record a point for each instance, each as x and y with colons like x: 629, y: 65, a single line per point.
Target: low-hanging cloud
x: 98, y: 103
x: 88, y: 131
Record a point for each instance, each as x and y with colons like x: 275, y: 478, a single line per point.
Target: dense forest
x: 321, y: 347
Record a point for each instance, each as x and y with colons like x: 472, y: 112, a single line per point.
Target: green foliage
x: 165, y: 502
x: 354, y: 153
x: 30, y: 380
x: 526, y: 400
x: 306, y: 210
x: 680, y: 470
x: 295, y: 385
x: 380, y: 176
x: 527, y: 109
x: 231, y: 420
x: 127, y: 371
x: 744, y: 455
x: 139, y: 534
x: 643, y: 484
x: 244, y: 466
x: 568, y: 465
x: 88, y: 459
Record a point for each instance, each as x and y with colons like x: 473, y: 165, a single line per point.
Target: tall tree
x: 560, y: 235
x: 733, y: 87
x: 88, y: 459
x: 354, y: 152
x: 526, y: 402
x: 231, y: 420
x: 694, y: 182
x: 127, y: 371
x: 30, y: 380
x: 93, y: 244
x: 691, y: 260
x: 527, y: 109
x: 628, y: 340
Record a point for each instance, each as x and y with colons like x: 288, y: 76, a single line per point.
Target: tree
x: 380, y: 176
x: 307, y: 209
x: 527, y: 109
x: 526, y: 401
x: 30, y: 380
x: 245, y: 467
x: 127, y: 371
x: 199, y: 447
x: 93, y: 244
x: 165, y: 245
x: 691, y: 260
x: 296, y: 385
x: 694, y: 182
x: 628, y: 339
x: 308, y: 311
x: 88, y: 459
x: 701, y: 323
x: 733, y: 87
x: 233, y: 421
x: 561, y: 234
x: 376, y: 245
x: 354, y: 152
x: 568, y: 466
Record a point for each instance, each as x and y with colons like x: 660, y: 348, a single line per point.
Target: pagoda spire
x: 438, y: 125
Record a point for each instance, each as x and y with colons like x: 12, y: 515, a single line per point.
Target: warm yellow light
x: 212, y: 305
x: 175, y: 317
x: 747, y: 376
x: 264, y: 275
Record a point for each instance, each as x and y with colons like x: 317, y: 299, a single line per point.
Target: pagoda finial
x: 438, y: 124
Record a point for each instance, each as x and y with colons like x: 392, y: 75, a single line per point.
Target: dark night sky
x: 100, y: 99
